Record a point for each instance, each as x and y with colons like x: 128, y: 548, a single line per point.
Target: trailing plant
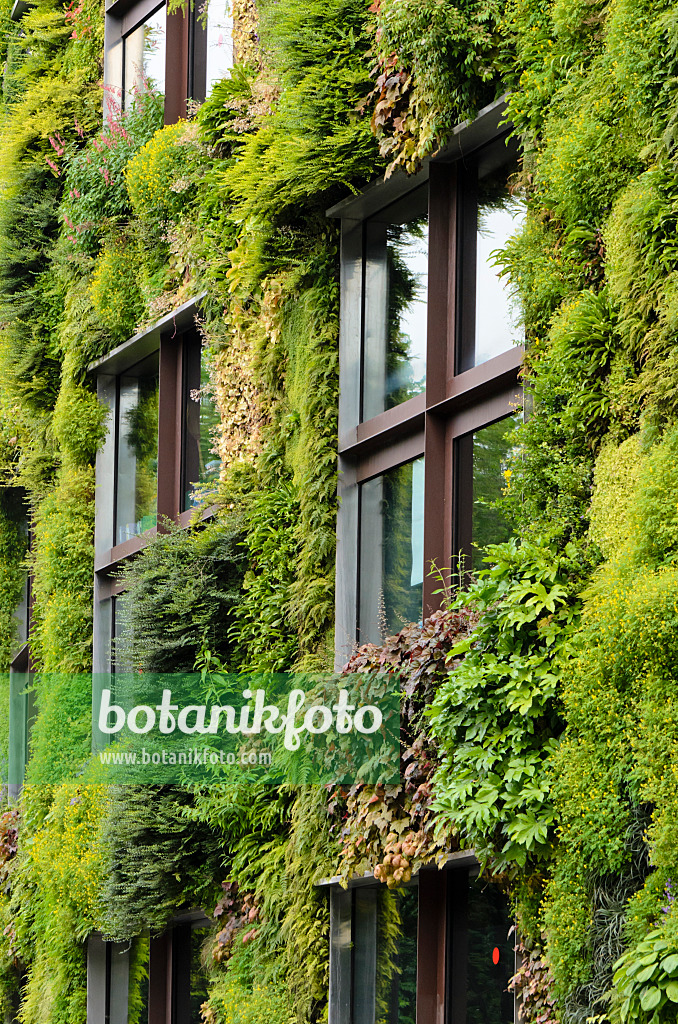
x: 182, y: 595
x: 498, y: 715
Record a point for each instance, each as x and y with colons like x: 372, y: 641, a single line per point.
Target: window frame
x: 454, y: 403
x: 171, y: 336
x: 441, y: 988
x: 185, y: 52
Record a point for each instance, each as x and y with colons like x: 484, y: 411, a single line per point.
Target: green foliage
x: 156, y: 860
x: 231, y: 1003
x: 612, y: 507
x: 95, y: 191
x: 181, y: 596
x: 439, y: 64
x: 498, y: 715
x: 577, y: 384
x: 114, y: 290
x: 55, y: 899
x: 78, y: 421
x: 138, y: 973
x: 646, y: 981
x: 63, y: 562
x: 262, y: 632
x: 160, y: 178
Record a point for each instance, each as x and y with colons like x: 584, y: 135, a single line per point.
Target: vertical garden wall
x: 541, y: 707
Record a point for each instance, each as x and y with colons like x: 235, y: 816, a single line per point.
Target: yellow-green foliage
x: 114, y: 289
x: 63, y: 566
x: 619, y: 750
x: 159, y: 176
x: 615, y: 478
x: 78, y: 420
x: 655, y: 503
x: 55, y: 900
x: 232, y: 1003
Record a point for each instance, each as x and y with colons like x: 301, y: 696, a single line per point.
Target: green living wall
x: 540, y: 706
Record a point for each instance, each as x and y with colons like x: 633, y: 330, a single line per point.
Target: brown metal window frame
x: 454, y: 405
x: 171, y: 337
x: 185, y: 51
x: 441, y: 931
x: 169, y: 970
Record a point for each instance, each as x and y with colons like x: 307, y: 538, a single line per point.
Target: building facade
x: 309, y: 365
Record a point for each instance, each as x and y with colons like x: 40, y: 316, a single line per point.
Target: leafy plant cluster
x: 497, y: 717
x: 391, y: 830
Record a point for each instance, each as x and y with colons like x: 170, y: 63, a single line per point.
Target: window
x: 176, y: 982
x: 392, y: 548
x: 219, y: 55
x: 180, y: 55
x: 394, y: 324
x: 489, y: 215
x: 444, y: 941
x: 200, y: 466
x: 429, y: 391
x: 144, y: 55
x: 156, y: 462
x: 136, y: 485
x: 482, y: 460
x: 373, y: 955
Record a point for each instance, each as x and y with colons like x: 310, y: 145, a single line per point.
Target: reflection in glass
x: 219, y: 43
x: 396, y: 282
x: 402, y: 983
x: 199, y: 980
x: 492, y: 447
x: 391, y: 551
x: 120, y: 646
x: 137, y: 462
x: 491, y: 957
x: 201, y: 467
x: 500, y: 216
x: 144, y: 57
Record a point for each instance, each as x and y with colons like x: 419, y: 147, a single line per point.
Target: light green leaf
x: 650, y: 997
x: 670, y: 963
x: 672, y: 991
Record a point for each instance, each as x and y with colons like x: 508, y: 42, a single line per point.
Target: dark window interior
x: 481, y: 957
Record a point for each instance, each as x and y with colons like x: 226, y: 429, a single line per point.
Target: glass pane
x: 364, y: 955
x: 219, y: 43
x: 500, y: 216
x: 201, y: 466
x: 396, y: 282
x: 199, y: 979
x: 120, y: 656
x: 144, y: 57
x: 491, y: 958
x: 403, y: 989
x: 391, y: 551
x: 492, y: 447
x: 137, y: 473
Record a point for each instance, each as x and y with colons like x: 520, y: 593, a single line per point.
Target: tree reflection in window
x: 492, y: 448
x: 144, y: 57
x: 137, y: 471
x: 201, y: 465
x: 397, y: 956
x: 396, y: 281
x: 391, y: 550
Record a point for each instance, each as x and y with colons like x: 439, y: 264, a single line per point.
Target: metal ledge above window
x: 466, y: 137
